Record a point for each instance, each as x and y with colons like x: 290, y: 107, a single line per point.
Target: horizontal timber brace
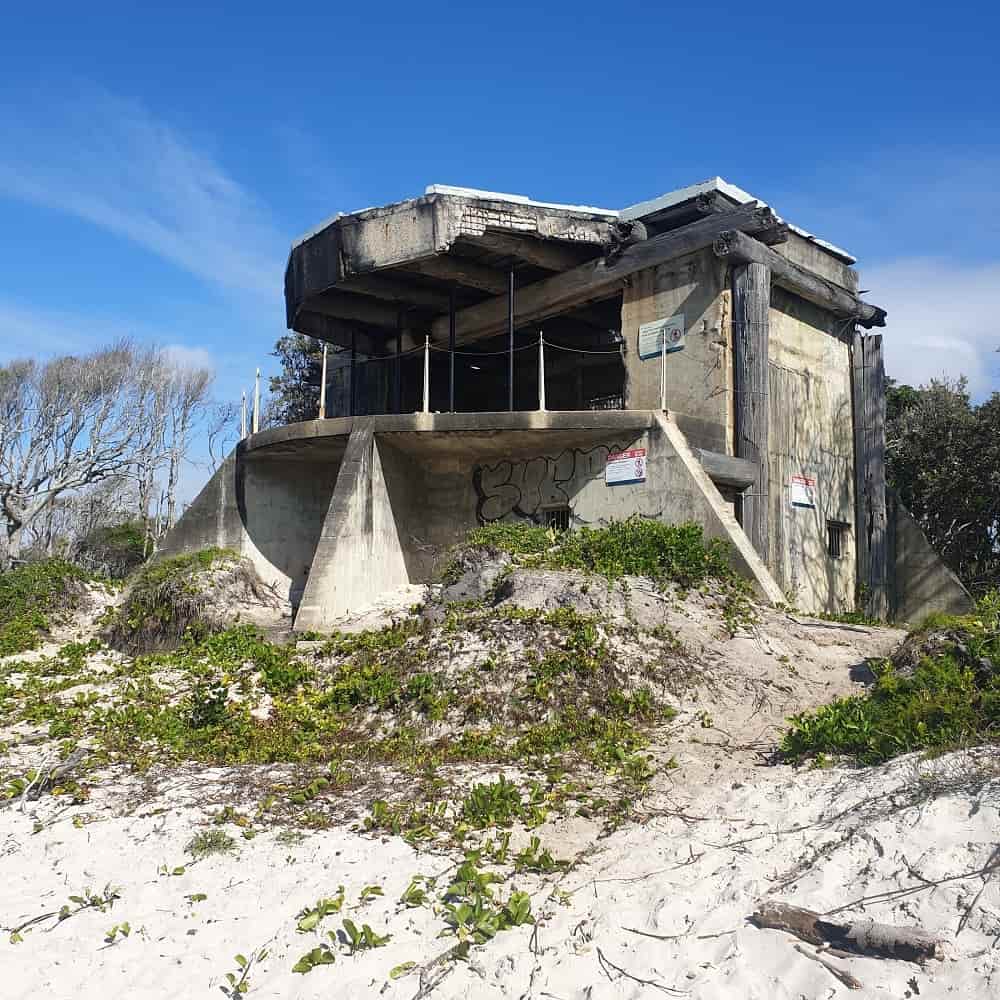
x: 738, y: 247
x: 600, y: 279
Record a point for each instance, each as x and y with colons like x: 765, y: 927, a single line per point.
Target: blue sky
x: 155, y: 164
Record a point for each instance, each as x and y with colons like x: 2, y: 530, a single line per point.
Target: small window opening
x: 556, y: 517
x: 836, y: 536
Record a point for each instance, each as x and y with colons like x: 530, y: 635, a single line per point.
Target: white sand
x: 816, y: 838
x: 718, y: 834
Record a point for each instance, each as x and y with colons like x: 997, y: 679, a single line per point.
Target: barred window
x: 556, y: 517
x: 836, y: 536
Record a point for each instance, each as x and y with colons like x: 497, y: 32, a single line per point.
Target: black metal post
x: 354, y: 370
x: 510, y: 332
x: 451, y: 349
x: 399, y: 363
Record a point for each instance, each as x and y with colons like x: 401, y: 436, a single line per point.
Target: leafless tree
x: 223, y: 431
x: 187, y: 405
x: 64, y: 425
x: 119, y: 413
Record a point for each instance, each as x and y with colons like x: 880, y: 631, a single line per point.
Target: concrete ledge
x: 484, y: 423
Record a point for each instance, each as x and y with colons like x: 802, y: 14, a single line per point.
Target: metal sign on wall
x: 803, y: 491
x: 661, y: 336
x: 625, y: 467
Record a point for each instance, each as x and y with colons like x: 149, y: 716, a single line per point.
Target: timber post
x: 541, y: 372
x: 751, y: 284
x: 868, y: 396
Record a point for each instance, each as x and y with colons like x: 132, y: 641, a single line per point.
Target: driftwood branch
x: 861, y: 936
x: 842, y: 974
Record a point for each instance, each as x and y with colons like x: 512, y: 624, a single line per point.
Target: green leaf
x: 241, y: 961
x: 309, y: 922
x: 401, y: 970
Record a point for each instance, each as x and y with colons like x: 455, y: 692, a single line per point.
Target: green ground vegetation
x: 114, y: 550
x: 668, y: 553
x: 950, y: 699
x: 32, y: 598
x: 375, y: 698
x: 672, y: 555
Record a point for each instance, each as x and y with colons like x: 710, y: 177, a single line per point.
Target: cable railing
x: 435, y: 378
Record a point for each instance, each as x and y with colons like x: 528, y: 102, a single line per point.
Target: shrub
x: 668, y: 553
x: 114, y: 551
x: 209, y: 842
x: 950, y: 700
x: 29, y: 595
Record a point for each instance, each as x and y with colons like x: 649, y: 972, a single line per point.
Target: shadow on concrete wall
x: 282, y: 506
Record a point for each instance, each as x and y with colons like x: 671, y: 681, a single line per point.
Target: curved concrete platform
x: 336, y: 512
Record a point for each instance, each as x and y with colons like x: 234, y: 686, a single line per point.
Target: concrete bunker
x: 500, y: 358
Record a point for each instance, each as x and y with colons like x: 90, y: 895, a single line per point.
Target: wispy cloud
x: 111, y: 162
x: 942, y: 320
x: 190, y: 357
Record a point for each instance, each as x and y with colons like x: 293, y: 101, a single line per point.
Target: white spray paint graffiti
x: 527, y: 486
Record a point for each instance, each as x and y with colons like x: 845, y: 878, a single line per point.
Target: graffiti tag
x: 527, y: 486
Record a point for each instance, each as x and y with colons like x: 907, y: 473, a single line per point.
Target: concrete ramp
x: 696, y: 498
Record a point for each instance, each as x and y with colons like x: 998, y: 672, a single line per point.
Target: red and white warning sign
x: 803, y: 491
x: 625, y: 467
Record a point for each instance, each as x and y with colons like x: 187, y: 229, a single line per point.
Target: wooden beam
x: 751, y: 306
x: 335, y: 331
x: 549, y: 255
x: 391, y: 289
x: 868, y: 385
x: 459, y: 271
x: 741, y: 248
x: 598, y: 279
x: 356, y: 308
x: 687, y: 211
x: 727, y: 469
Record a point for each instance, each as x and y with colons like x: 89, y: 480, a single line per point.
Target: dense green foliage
x: 943, y: 460
x: 29, y: 596
x: 950, y: 700
x: 668, y: 553
x: 115, y: 550
x: 295, y: 392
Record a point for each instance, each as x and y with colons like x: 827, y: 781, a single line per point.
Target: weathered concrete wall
x: 811, y: 434
x: 407, y: 488
x: 268, y: 509
x: 810, y: 408
x: 437, y: 497
x: 286, y: 503
x: 699, y: 378
x: 921, y: 583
